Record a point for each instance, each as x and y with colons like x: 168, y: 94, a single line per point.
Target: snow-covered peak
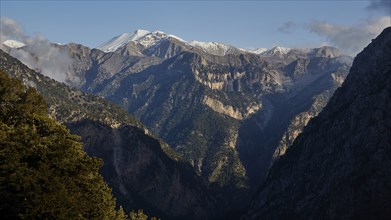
x: 201, y: 44
x: 257, y: 51
x: 178, y: 38
x: 276, y: 51
x: 157, y: 32
x: 214, y: 48
x: 143, y: 37
x: 148, y: 40
x: 152, y: 38
x: 139, y: 34
x: 121, y: 40
x: 115, y: 43
x: 13, y: 44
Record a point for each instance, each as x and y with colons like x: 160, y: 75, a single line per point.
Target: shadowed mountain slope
x: 340, y: 166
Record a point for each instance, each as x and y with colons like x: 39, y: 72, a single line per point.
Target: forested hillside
x: 45, y: 174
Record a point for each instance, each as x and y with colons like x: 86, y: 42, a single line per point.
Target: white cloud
x: 351, y: 39
x: 38, y: 54
x: 10, y: 29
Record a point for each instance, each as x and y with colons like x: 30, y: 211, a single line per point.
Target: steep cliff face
x: 340, y: 166
x: 225, y: 114
x: 186, y: 114
x: 143, y: 171
x: 284, y: 114
x: 143, y: 175
x: 298, y: 123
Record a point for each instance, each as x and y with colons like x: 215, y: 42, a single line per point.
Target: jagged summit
x: 276, y: 51
x: 214, y: 48
x: 146, y: 40
x: 258, y: 51
x: 139, y: 33
x: 141, y: 42
x: 143, y: 37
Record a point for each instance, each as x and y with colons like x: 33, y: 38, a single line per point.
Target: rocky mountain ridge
x: 142, y: 40
x: 226, y: 115
x: 339, y: 167
x: 142, y: 170
x: 165, y: 91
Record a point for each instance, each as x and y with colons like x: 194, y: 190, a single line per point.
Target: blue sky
x: 245, y: 24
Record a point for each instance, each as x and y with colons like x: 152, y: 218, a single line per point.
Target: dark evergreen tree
x: 44, y: 173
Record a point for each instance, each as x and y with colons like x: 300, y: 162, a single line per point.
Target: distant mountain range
x: 225, y: 113
x: 146, y: 39
x: 177, y: 89
x: 223, y: 133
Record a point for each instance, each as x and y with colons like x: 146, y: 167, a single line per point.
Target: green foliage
x: 18, y: 103
x: 44, y: 173
x: 140, y: 215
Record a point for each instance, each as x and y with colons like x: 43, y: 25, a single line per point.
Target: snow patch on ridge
x: 121, y: 40
x: 258, y: 51
x: 14, y: 44
x: 143, y: 37
x: 147, y: 39
x: 211, y: 47
x: 276, y: 51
